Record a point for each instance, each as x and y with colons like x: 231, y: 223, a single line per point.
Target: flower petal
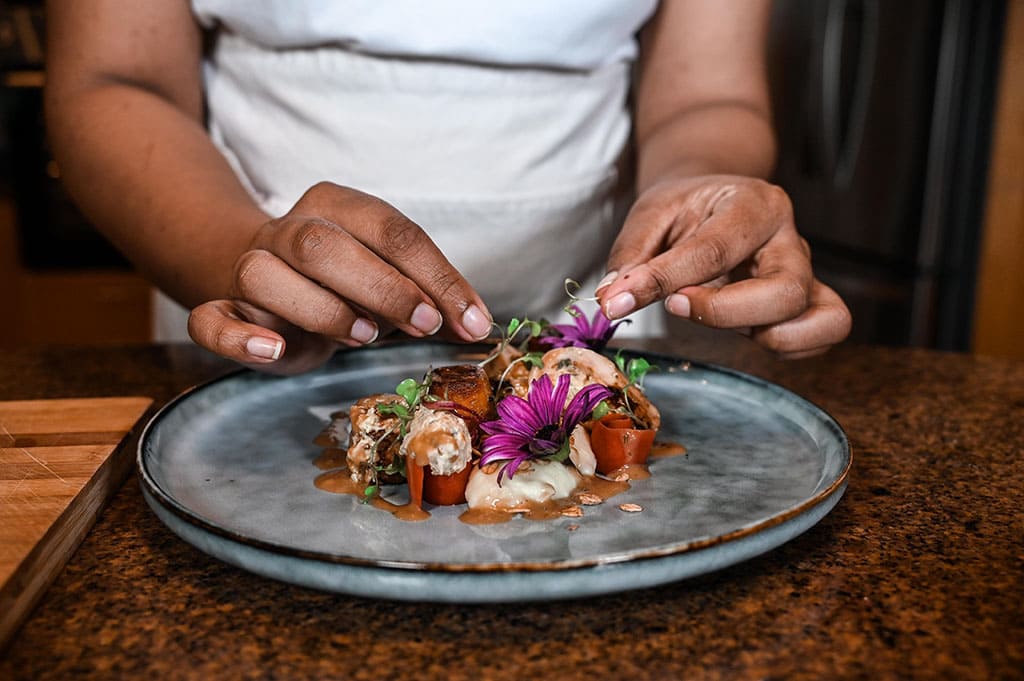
x: 583, y: 404
x: 560, y: 397
x: 519, y: 416
x: 542, y: 402
x: 504, y: 441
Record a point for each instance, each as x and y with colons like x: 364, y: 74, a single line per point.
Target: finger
x: 238, y: 331
x: 218, y: 327
x: 642, y: 235
x: 266, y: 281
x: 398, y: 241
x: 826, y: 322
x: 779, y: 291
x: 330, y: 258
x: 736, y: 226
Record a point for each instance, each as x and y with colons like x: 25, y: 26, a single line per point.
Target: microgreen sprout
x: 414, y: 393
x: 635, y: 369
x: 571, y: 288
x: 524, y: 329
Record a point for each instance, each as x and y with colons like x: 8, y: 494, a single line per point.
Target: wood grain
x: 998, y: 323
x: 60, y: 461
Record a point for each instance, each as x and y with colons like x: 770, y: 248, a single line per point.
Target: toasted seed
x: 631, y: 508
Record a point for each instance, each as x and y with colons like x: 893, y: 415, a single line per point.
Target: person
x: 306, y: 174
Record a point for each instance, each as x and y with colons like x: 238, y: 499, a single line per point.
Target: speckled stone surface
x: 917, y: 573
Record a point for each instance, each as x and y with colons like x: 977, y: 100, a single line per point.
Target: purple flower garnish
x: 537, y: 427
x: 582, y: 333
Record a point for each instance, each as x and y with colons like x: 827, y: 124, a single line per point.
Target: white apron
x: 511, y: 171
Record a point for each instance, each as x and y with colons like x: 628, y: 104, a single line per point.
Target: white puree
x: 544, y: 481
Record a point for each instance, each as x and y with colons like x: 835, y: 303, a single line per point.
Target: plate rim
x: 172, y: 505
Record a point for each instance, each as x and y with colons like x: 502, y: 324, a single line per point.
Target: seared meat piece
x: 374, y: 440
x: 467, y: 386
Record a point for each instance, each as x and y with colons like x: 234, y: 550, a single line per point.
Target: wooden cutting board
x: 60, y: 462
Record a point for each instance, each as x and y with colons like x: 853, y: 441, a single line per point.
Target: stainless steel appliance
x: 883, y: 112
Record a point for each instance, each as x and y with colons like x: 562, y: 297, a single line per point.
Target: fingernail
x: 678, y: 304
x: 426, y: 318
x: 476, y: 322
x: 264, y: 348
x: 606, y: 280
x: 620, y: 306
x: 363, y: 330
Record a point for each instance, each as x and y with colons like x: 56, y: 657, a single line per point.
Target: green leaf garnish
x: 601, y: 410
x: 620, y: 361
x: 399, y: 410
x: 532, y: 359
x: 637, y: 368
x: 409, y: 390
x: 562, y: 454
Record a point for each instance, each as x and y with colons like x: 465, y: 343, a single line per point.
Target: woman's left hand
x: 723, y: 251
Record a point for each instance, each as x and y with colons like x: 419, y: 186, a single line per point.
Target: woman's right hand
x: 340, y: 267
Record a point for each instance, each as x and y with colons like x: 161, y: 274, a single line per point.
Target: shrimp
x: 584, y: 367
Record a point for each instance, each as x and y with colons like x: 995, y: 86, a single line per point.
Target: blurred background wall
x: 60, y: 281
x: 901, y: 129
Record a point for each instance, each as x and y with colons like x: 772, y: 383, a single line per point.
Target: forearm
x: 702, y: 105
x: 146, y: 173
x: 720, y: 138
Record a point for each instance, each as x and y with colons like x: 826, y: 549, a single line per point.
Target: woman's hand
x: 340, y: 267
x: 723, y: 251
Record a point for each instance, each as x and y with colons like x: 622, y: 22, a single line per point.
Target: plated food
x: 542, y: 427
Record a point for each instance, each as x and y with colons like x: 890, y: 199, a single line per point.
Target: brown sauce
x: 328, y: 436
x: 485, y: 516
x: 664, y: 450
x: 409, y: 512
x: 331, y: 458
x: 547, y: 510
x: 340, y: 482
x: 606, y: 489
x: 631, y: 471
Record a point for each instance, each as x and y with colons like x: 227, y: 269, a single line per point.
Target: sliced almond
x: 588, y: 499
x: 572, y: 512
x: 631, y: 508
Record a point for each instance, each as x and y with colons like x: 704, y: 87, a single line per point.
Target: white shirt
x: 496, y: 125
x: 566, y: 34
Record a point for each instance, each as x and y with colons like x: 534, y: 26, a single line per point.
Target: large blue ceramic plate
x: 228, y: 466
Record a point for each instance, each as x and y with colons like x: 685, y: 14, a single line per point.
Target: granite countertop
x: 917, y: 573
